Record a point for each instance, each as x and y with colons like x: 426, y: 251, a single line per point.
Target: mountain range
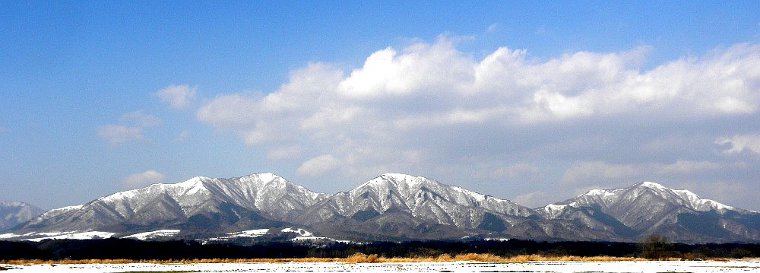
x: 391, y: 207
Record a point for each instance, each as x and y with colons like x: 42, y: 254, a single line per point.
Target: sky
x: 532, y: 101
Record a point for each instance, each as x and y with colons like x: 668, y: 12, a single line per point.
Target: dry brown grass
x: 355, y: 258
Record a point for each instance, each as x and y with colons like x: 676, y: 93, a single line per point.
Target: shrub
x: 362, y: 258
x: 656, y: 247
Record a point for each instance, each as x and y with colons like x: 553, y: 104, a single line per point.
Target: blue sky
x: 530, y: 101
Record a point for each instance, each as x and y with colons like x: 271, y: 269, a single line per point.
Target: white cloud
x: 132, y: 126
x: 740, y: 143
x: 430, y: 106
x: 420, y: 69
x: 535, y: 199
x: 685, y: 166
x: 116, y: 134
x: 596, y: 171
x: 318, y: 166
x: 227, y: 111
x: 140, y: 119
x: 178, y: 96
x: 283, y: 115
x: 142, y: 179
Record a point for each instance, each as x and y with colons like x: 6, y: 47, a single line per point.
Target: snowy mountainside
x: 246, y: 199
x: 391, y: 206
x: 648, y: 208
x: 423, y: 198
x: 394, y: 206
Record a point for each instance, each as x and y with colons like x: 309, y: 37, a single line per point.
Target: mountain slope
x: 422, y: 198
x: 14, y: 213
x: 394, y: 206
x: 200, y: 203
x: 650, y: 208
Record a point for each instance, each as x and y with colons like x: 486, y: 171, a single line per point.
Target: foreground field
x: 356, y: 258
x: 462, y: 266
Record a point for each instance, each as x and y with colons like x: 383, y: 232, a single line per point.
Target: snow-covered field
x: 684, y: 266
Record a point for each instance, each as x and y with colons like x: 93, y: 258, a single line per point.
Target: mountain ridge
x: 396, y: 206
x: 678, y: 213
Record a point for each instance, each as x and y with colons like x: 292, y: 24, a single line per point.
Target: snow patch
x: 70, y: 235
x: 253, y: 233
x: 59, y: 211
x: 162, y: 233
x: 319, y: 239
x: 552, y: 210
x: 701, y: 204
x: 301, y: 232
x: 606, y: 194
x: 8, y: 236
x: 653, y: 185
x: 120, y: 196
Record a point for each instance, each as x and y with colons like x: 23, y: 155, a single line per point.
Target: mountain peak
x: 608, y: 193
x: 399, y: 176
x: 402, y: 178
x: 652, y: 185
x: 688, y: 198
x: 702, y: 204
x: 609, y: 197
x: 395, y: 180
x: 263, y: 176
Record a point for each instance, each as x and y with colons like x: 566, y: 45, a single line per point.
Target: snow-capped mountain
x: 391, y: 207
x: 421, y: 197
x: 401, y: 205
x: 201, y: 203
x: 648, y: 208
x: 14, y: 213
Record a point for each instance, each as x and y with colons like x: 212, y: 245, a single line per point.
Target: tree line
x: 113, y: 248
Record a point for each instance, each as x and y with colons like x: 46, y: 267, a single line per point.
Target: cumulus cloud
x: 177, y: 96
x: 142, y: 179
x: 535, y: 199
x: 431, y: 108
x: 740, y: 143
x: 318, y: 166
x: 131, y: 127
x: 116, y: 134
